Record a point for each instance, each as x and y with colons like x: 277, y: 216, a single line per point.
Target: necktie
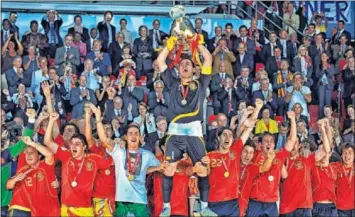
x: 6, y: 35
x: 146, y: 126
x: 294, y: 49
x: 157, y: 38
x: 283, y: 140
x: 278, y: 62
x: 52, y: 33
x: 272, y: 49
x: 67, y: 49
x: 229, y: 101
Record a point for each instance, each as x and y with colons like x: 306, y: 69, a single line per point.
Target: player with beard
x: 224, y: 167
x: 103, y: 198
x: 132, y: 164
x: 79, y: 170
x: 324, y: 178
x: 187, y: 97
x: 265, y: 190
x: 35, y: 193
x: 345, y: 183
x: 296, y: 189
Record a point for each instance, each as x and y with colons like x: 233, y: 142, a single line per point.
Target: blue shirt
x: 132, y: 191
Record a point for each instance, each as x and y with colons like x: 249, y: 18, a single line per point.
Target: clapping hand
x: 46, y: 89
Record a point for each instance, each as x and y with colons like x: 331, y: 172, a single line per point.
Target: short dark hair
x: 261, y: 137
x: 123, y: 19
x: 156, y: 20
x: 5, y: 20
x: 222, y: 129
x: 33, y: 22
x: 284, y: 124
x: 312, y: 24
x: 276, y: 47
x: 76, y: 16
x: 133, y: 126
x: 250, y: 143
x: 341, y: 21
x: 228, y: 24
x: 346, y: 146
x: 198, y: 19
x: 14, y: 12
x: 242, y: 26
x: 82, y: 138
x: 108, y: 12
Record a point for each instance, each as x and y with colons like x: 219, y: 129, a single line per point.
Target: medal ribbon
x: 184, y: 92
x: 349, y: 175
x: 243, y: 171
x: 225, y: 165
x: 80, y: 168
x: 129, y: 165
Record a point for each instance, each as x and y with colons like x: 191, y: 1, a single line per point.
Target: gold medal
x: 226, y: 174
x: 183, y: 101
x: 74, y: 184
x: 270, y: 178
x: 107, y: 172
x: 130, y: 177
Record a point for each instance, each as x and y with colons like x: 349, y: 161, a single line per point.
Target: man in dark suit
x: 58, y: 92
x: 217, y: 85
x: 6, y: 31
x: 65, y: 54
x: 251, y: 47
x: 243, y: 59
x: 342, y: 31
x: 243, y: 85
x: 153, y: 138
x: 157, y: 35
x: 158, y: 100
x: 51, y: 24
x: 78, y: 27
x: 14, y: 76
x: 228, y: 98
x: 107, y: 31
x: 348, y: 76
x: 268, y: 49
x: 257, y: 34
x: 199, y: 30
x: 269, y: 98
x: 79, y: 96
x: 114, y: 110
x: 273, y: 63
x: 90, y: 42
x: 281, y: 137
x: 315, y: 51
x: 115, y: 51
x: 213, y: 42
x: 12, y: 20
x: 292, y: 48
x: 132, y: 95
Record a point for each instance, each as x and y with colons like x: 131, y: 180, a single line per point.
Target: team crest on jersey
x: 89, y: 166
x: 299, y: 165
x: 167, y: 158
x: 275, y: 161
x: 40, y: 175
x: 192, y: 86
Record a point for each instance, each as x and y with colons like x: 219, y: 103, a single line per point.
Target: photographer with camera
x: 10, y: 151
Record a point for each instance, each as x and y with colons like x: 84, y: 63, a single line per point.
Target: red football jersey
x: 79, y: 195
x: 224, y: 188
x: 20, y: 198
x: 345, y: 187
x: 247, y: 175
x: 179, y: 194
x: 296, y: 189
x: 324, y: 183
x: 266, y: 186
x: 104, y: 186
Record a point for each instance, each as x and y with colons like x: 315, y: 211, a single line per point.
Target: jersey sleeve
x: 62, y: 154
x: 237, y: 146
x: 283, y: 155
x: 205, y: 81
x: 103, y: 163
x: 114, y: 152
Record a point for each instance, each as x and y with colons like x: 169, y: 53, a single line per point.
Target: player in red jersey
x: 103, y: 197
x: 296, y: 189
x: 224, y: 171
x: 34, y: 194
x: 248, y: 172
x: 179, y: 194
x: 324, y: 177
x: 79, y: 171
x: 345, y: 183
x: 265, y: 189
